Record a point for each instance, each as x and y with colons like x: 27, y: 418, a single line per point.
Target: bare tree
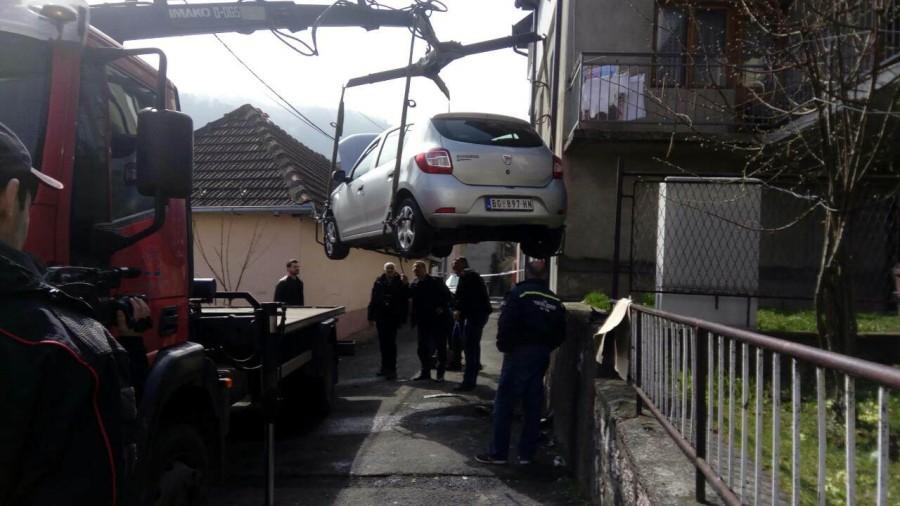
x: 219, y: 255
x: 816, y: 86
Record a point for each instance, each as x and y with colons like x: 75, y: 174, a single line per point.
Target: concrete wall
x: 265, y: 242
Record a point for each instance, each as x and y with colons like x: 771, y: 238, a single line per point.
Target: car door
x: 349, y: 199
x: 379, y: 184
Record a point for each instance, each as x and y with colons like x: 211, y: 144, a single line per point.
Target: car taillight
x: 436, y: 161
x: 557, y: 168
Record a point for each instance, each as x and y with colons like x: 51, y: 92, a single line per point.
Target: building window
x: 691, y: 45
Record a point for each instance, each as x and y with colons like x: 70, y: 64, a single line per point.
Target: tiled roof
x: 243, y: 159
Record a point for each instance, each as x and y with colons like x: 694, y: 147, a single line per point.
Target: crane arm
x: 134, y: 21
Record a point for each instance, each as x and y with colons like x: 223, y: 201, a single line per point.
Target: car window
x: 488, y: 131
x: 389, y: 148
x: 366, y: 161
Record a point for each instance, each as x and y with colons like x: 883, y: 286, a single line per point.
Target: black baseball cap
x: 15, y: 161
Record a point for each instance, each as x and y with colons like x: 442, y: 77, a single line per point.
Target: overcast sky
x: 492, y: 82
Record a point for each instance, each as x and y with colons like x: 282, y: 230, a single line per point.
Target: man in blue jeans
x: 532, y: 324
x: 472, y: 307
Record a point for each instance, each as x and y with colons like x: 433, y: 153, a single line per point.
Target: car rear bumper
x: 449, y: 204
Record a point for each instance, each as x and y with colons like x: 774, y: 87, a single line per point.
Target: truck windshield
x: 24, y: 81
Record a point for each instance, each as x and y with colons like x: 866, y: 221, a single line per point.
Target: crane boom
x: 134, y: 21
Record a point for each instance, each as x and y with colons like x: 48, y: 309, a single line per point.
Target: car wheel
x: 411, y: 233
x: 334, y: 248
x: 179, y: 467
x: 542, y: 245
x: 442, y: 251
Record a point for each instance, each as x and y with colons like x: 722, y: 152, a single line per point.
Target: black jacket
x: 290, y: 291
x: 531, y: 314
x: 67, y: 409
x: 390, y: 301
x: 430, y: 301
x: 472, y: 299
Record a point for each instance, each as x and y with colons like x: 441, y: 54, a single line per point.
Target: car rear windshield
x: 491, y: 132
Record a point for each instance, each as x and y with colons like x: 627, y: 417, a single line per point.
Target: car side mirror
x: 165, y: 153
x: 339, y: 176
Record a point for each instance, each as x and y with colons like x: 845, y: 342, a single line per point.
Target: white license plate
x: 495, y: 204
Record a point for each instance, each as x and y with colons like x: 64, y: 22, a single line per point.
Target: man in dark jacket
x: 472, y: 306
x: 290, y: 288
x: 67, y: 409
x: 387, y: 310
x: 431, y: 315
x: 532, y: 323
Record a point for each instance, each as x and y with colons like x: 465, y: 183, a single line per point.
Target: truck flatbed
x: 297, y: 317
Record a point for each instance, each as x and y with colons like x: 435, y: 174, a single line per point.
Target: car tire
x: 442, y: 251
x: 334, y: 248
x: 180, y: 467
x: 542, y: 245
x: 412, y: 234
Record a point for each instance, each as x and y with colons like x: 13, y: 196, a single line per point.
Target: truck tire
x: 179, y: 467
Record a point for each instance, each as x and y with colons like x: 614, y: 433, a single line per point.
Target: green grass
x: 772, y: 320
x: 598, y: 300
x: 835, y: 476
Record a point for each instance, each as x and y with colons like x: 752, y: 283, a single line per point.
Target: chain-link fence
x: 738, y: 237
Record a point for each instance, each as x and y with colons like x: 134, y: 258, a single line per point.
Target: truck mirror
x: 339, y: 176
x: 165, y: 153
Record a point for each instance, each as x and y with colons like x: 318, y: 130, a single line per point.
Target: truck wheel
x: 179, y: 467
x: 334, y: 248
x: 411, y: 232
x: 542, y: 245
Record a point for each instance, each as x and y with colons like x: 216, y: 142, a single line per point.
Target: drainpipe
x: 554, y: 98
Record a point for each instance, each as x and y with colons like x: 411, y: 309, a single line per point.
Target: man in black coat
x: 431, y: 315
x: 388, y: 309
x: 472, y: 306
x: 532, y: 324
x: 290, y: 288
x: 67, y: 408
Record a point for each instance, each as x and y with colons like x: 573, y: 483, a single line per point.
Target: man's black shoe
x: 464, y: 388
x: 440, y: 377
x: 486, y: 458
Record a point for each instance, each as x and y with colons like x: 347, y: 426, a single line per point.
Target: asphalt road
x: 392, y: 442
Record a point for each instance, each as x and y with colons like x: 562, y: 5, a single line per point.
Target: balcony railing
x: 615, y: 91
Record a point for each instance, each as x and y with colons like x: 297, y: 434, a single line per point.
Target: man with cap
x: 68, y: 408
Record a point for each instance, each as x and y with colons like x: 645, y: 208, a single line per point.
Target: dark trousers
x: 433, y: 339
x: 456, y: 345
x: 387, y: 341
x: 522, y: 377
x: 472, y: 327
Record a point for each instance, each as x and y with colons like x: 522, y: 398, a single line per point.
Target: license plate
x: 496, y: 204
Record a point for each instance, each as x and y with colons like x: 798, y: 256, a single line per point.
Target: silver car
x: 464, y: 177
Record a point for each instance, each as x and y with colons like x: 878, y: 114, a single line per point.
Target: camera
x: 93, y: 286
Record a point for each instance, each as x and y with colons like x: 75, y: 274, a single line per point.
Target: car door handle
x: 360, y: 188
x: 390, y: 175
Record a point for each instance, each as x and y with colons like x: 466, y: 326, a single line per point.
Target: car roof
x: 478, y: 115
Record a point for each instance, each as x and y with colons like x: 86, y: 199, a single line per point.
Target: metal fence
x: 719, y: 393
x: 738, y: 237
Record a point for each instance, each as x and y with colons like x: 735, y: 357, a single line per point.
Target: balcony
x: 636, y: 95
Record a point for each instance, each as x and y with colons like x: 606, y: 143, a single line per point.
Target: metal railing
x: 689, y: 373
x: 651, y: 88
